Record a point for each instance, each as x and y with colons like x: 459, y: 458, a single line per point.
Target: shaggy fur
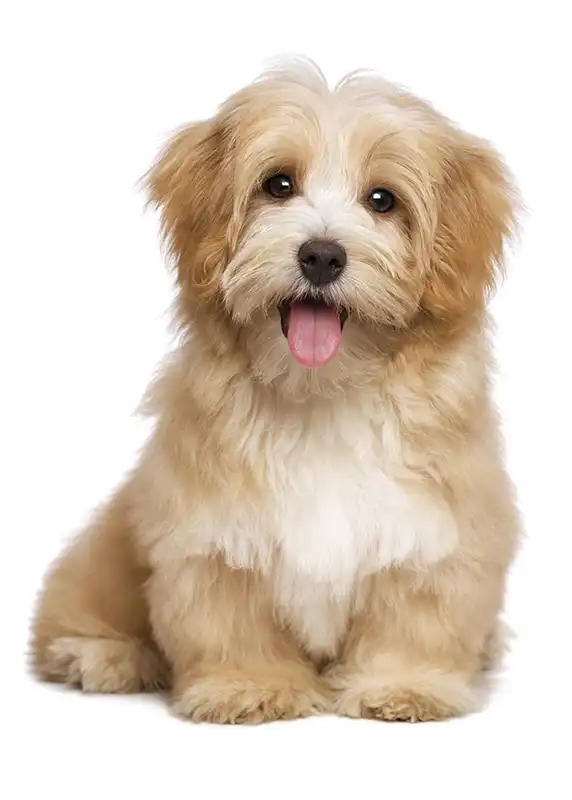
x: 298, y: 540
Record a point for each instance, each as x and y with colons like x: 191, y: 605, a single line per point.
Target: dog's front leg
x: 231, y: 662
x: 418, y: 643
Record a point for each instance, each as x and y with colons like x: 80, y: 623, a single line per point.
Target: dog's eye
x: 381, y: 200
x: 279, y: 186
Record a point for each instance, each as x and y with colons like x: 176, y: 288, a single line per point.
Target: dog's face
x: 305, y: 214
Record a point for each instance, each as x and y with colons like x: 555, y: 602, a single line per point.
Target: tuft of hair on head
x: 295, y: 69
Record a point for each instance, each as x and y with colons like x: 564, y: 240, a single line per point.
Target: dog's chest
x: 340, y: 513
x: 335, y: 507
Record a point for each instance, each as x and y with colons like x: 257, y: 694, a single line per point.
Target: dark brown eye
x: 280, y: 186
x: 381, y: 200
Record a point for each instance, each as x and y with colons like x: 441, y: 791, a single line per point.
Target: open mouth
x: 313, y: 329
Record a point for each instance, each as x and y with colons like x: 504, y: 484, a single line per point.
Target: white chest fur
x: 338, y: 504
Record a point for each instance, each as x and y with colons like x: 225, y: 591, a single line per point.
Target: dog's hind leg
x: 91, y: 626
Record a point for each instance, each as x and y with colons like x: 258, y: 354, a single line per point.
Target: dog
x: 321, y: 520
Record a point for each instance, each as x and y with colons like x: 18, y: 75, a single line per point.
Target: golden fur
x: 294, y: 540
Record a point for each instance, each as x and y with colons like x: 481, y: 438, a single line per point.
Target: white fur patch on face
x: 328, y: 203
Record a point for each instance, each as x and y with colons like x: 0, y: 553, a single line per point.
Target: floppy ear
x: 189, y: 183
x: 475, y: 218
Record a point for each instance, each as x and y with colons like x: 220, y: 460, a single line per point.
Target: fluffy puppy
x: 321, y: 519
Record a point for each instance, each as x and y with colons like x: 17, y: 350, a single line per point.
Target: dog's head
x: 316, y: 220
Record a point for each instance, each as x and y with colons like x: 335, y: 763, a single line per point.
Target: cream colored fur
x: 293, y: 540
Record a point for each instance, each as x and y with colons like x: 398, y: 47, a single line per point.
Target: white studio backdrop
x: 89, y: 92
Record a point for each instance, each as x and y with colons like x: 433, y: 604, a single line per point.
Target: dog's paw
x: 103, y: 665
x: 419, y: 696
x: 404, y: 705
x: 235, y: 698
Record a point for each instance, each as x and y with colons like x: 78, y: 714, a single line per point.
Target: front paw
x: 413, y: 695
x: 236, y: 697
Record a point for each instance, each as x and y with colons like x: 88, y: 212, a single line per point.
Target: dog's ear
x: 190, y: 184
x: 476, y: 215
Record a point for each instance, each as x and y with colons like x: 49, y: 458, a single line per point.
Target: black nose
x: 322, y: 260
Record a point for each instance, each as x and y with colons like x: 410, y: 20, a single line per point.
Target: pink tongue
x: 314, y: 334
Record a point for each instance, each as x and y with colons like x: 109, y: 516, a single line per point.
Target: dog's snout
x: 322, y: 260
